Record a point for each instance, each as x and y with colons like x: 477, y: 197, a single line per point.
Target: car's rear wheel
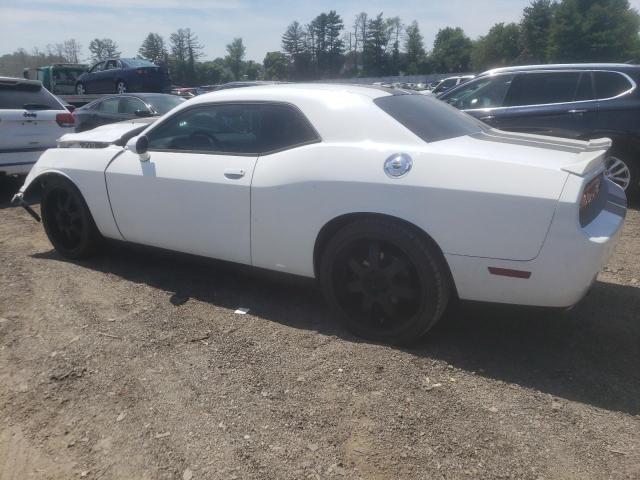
x: 121, y: 87
x: 384, y: 281
x: 80, y: 90
x: 67, y: 220
x: 620, y: 168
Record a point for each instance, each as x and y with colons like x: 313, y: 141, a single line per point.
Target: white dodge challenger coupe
x: 394, y: 201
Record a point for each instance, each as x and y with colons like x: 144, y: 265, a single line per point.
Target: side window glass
x: 282, y: 126
x: 130, y: 105
x: 98, y: 67
x: 543, y: 88
x: 610, y: 84
x: 486, y: 92
x: 249, y: 129
x: 110, y: 105
x: 585, y: 88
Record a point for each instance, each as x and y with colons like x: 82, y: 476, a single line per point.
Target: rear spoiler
x: 591, y: 158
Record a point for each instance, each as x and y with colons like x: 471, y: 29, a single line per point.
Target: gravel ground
x: 134, y: 365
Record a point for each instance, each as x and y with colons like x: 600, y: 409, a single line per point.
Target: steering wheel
x: 196, y: 136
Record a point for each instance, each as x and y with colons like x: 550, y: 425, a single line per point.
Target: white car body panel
x: 156, y: 202
x: 490, y: 200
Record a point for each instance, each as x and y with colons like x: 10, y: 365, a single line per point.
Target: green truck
x: 59, y: 78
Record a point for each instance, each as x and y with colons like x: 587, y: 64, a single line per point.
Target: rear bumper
x: 19, y: 162
x: 566, y: 266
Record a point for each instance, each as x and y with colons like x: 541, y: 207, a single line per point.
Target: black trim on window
x: 317, y: 139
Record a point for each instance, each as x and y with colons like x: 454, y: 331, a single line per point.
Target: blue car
x: 122, y: 75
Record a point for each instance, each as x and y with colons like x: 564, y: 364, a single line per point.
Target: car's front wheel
x: 80, y: 89
x: 621, y: 169
x: 67, y: 220
x: 384, y: 281
x: 121, y: 87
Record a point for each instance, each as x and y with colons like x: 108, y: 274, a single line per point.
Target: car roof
x: 284, y: 92
x: 19, y: 81
x: 621, y: 67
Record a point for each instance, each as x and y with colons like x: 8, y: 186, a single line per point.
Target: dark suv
x: 583, y: 101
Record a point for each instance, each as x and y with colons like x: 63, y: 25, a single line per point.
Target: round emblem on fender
x: 398, y: 165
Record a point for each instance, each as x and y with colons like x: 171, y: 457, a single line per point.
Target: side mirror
x: 142, y: 113
x: 139, y: 145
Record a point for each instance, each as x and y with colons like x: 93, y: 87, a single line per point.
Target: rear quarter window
x: 27, y: 97
x: 429, y: 118
x: 610, y: 84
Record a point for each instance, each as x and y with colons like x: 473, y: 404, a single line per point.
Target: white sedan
x: 395, y: 202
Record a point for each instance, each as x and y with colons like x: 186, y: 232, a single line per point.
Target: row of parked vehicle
x: 579, y: 102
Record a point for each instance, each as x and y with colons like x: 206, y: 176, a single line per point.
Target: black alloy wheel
x: 67, y: 220
x: 384, y: 281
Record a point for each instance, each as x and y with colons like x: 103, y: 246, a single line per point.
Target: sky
x: 36, y: 23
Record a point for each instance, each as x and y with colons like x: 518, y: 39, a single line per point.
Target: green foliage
x: 103, y: 49
x: 414, y: 48
x: 276, y: 66
x: 185, y: 52
x: 535, y: 29
x: 498, y: 48
x: 213, y: 72
x: 234, y: 59
x: 451, y: 51
x: 153, y: 49
x: 594, y: 31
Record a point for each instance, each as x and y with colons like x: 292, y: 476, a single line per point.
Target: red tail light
x: 65, y: 119
x: 590, y: 192
x: 141, y: 71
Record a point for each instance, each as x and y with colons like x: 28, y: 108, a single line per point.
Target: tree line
x: 374, y: 45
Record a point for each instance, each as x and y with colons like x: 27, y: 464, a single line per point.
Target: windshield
x: 164, y: 103
x: 137, y: 62
x: 429, y: 118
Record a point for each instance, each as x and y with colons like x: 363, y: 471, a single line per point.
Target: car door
x: 484, y: 97
x: 109, y: 76
x: 192, y: 193
x: 107, y: 111
x: 558, y: 103
x: 92, y: 80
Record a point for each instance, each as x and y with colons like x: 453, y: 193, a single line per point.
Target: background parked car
x: 583, y: 101
x: 123, y: 107
x: 449, y: 83
x: 31, y: 120
x: 121, y: 75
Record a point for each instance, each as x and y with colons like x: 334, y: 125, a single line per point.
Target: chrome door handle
x: 234, y: 174
x: 578, y: 111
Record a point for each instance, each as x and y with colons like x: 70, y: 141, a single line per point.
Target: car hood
x: 573, y: 156
x: 105, y: 134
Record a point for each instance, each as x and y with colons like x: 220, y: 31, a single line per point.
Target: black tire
x: 629, y: 159
x: 395, y: 299
x: 80, y: 89
x: 67, y: 220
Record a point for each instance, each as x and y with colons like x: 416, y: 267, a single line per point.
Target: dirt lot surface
x: 134, y: 366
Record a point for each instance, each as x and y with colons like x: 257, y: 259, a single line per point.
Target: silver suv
x: 31, y: 120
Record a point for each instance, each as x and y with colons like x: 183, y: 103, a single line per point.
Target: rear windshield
x: 27, y: 97
x: 429, y: 118
x: 164, y: 103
